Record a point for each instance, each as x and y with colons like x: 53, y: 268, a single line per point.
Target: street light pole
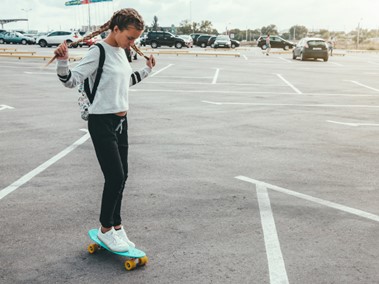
x: 359, y: 28
x: 27, y: 16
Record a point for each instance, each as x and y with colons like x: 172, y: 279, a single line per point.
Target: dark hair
x: 126, y: 17
x: 122, y: 18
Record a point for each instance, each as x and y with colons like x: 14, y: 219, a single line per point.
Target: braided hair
x: 122, y: 18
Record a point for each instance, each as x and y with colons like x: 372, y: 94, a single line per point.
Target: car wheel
x: 154, y: 44
x: 1, y: 41
x: 69, y: 42
x: 293, y: 55
x: 42, y: 43
x: 302, y: 58
x: 24, y: 41
x: 233, y: 45
x: 178, y: 45
x: 326, y: 59
x: 264, y: 47
x: 286, y: 47
x: 203, y: 45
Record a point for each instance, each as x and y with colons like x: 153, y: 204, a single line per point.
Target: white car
x: 57, y: 37
x: 188, y: 41
x: 222, y: 41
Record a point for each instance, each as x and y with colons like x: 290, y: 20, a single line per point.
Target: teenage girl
x: 107, y: 121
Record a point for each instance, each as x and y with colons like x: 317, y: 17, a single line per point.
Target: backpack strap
x: 91, y: 95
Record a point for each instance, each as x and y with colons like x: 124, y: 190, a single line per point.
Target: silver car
x: 222, y: 41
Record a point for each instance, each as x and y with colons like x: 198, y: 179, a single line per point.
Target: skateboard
x: 135, y: 256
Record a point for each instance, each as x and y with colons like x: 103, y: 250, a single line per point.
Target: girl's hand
x: 62, y: 51
x: 151, y: 62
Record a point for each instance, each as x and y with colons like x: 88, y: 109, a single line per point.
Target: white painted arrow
x: 5, y: 107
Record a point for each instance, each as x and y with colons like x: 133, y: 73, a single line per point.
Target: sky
x: 334, y: 15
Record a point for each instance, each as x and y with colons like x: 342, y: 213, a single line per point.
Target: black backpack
x: 91, y: 95
x: 86, y: 96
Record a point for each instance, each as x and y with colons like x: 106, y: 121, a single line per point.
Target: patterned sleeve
x: 86, y: 67
x: 138, y: 76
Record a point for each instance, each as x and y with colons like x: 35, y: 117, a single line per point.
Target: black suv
x: 202, y: 40
x: 275, y: 42
x: 158, y: 38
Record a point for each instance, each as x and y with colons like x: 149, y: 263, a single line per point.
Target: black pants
x: 109, y: 135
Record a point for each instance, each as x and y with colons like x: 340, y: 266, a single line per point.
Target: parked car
x: 211, y: 41
x: 15, y: 37
x: 91, y: 41
x: 143, y: 40
x: 195, y: 37
x: 188, y: 41
x: 275, y: 42
x: 36, y: 36
x: 160, y: 38
x: 311, y: 48
x: 222, y: 41
x: 202, y: 40
x: 235, y: 43
x: 57, y: 37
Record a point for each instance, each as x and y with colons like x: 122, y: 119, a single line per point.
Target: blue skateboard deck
x: 136, y: 256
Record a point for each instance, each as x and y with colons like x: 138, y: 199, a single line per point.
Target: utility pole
x: 89, y: 16
x: 27, y: 16
x: 358, y: 32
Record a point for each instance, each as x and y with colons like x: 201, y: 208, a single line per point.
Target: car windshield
x: 185, y: 36
x: 223, y: 37
x: 316, y: 42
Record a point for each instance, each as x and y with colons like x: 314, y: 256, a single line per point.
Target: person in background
x: 331, y: 44
x: 268, y: 45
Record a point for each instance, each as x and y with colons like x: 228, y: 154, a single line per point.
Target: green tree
x: 271, y: 29
x: 206, y: 27
x: 238, y: 34
x: 155, y: 25
x: 325, y: 34
x: 185, y: 27
x: 298, y: 32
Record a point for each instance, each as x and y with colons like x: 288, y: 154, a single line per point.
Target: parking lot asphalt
x: 251, y: 169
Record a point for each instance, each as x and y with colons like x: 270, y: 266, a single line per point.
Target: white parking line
x: 40, y: 73
x: 277, y: 269
x: 244, y: 56
x: 160, y: 70
x: 291, y: 105
x: 289, y: 84
x: 2, y: 107
x: 186, y: 77
x: 320, y: 201
x: 216, y: 76
x: 363, y: 85
x: 286, y: 60
x: 353, y: 124
x: 21, y: 181
x: 245, y: 92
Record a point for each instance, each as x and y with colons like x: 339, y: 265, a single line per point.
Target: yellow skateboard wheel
x: 143, y: 260
x: 92, y: 248
x: 130, y: 264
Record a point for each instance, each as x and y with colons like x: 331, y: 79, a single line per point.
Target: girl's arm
x: 138, y: 76
x: 86, y: 67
